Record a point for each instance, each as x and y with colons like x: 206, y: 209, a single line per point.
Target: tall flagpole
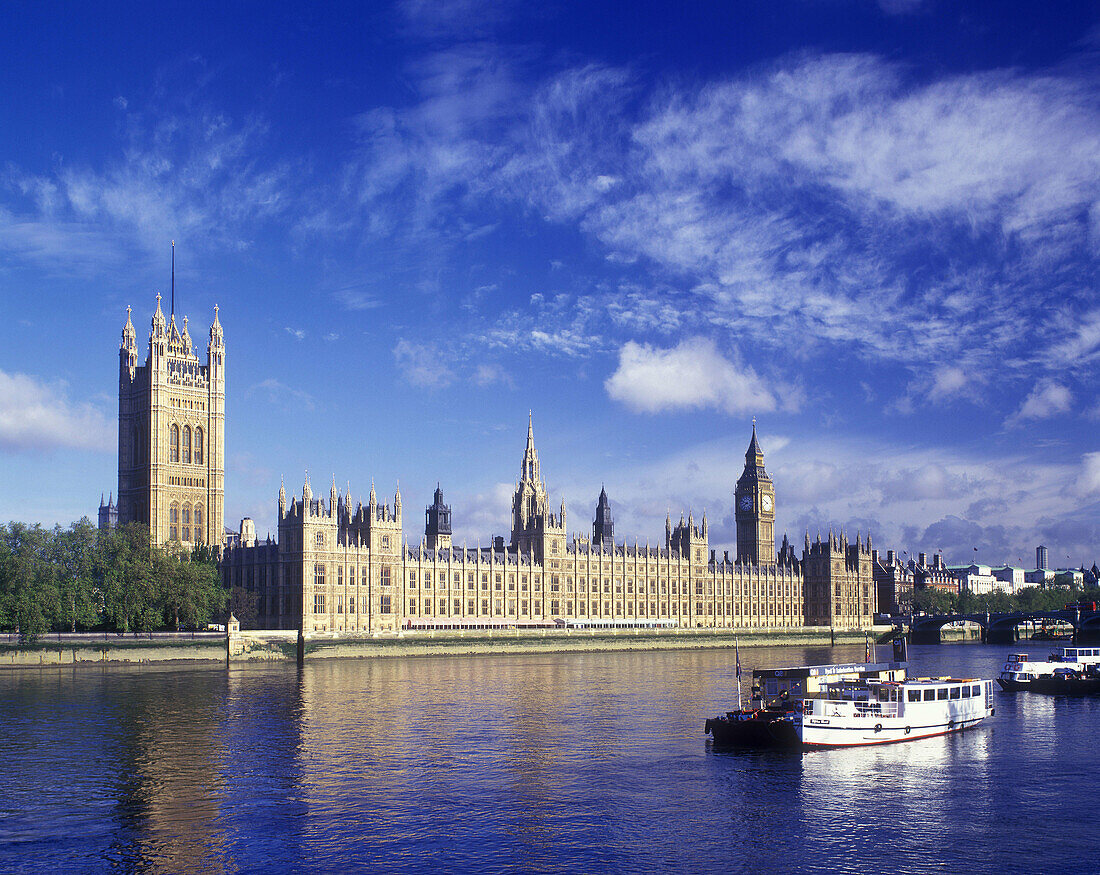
x: 737, y: 652
x: 173, y: 277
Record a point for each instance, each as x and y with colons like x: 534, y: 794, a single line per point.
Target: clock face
x: 766, y: 502
x: 746, y: 502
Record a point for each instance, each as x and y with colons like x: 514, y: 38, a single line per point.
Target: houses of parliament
x: 344, y: 569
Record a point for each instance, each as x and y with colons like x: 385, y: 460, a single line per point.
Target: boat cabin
x: 812, y: 680
x: 1077, y: 654
x: 890, y: 698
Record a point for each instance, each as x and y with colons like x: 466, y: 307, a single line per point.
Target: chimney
x: 922, y: 558
x: 891, y: 557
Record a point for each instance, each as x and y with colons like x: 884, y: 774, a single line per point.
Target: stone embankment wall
x: 247, y: 646
x: 71, y: 649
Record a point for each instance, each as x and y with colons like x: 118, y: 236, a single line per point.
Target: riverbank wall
x: 282, y: 645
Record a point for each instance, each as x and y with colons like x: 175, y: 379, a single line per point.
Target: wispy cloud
x: 38, y: 415
x: 193, y: 176
x: 828, y: 202
x: 422, y: 364
x: 281, y: 395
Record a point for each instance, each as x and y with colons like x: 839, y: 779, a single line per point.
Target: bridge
x: 997, y: 628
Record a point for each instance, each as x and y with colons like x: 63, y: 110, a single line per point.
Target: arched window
x: 198, y: 524
x: 173, y: 443
x: 187, y: 444
x: 186, y: 523
x: 198, y: 446
x: 173, y: 522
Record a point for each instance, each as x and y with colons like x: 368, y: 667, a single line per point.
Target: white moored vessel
x: 881, y: 712
x: 1019, y: 670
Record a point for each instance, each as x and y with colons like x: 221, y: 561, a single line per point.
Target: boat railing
x: 849, y: 708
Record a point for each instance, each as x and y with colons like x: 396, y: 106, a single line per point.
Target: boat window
x: 976, y: 690
x: 929, y: 695
x: 966, y: 692
x: 941, y: 693
x: 955, y: 692
x: 914, y: 695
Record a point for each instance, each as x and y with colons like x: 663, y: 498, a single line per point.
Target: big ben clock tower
x: 754, y: 509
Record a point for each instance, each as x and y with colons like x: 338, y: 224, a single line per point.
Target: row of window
x: 427, y: 606
x: 186, y: 445
x: 934, y: 693
x: 185, y: 523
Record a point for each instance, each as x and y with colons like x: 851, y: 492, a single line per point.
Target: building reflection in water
x: 200, y: 756
x: 169, y: 788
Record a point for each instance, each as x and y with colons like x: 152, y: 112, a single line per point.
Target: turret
x: 217, y: 338
x: 437, y: 523
x: 157, y: 326
x: 603, y: 527
x: 282, y: 498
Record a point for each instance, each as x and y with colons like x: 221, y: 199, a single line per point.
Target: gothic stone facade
x: 171, y: 433
x: 344, y: 570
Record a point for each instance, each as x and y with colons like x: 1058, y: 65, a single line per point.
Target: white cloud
x: 35, y: 415
x: 948, y: 380
x: 1088, y: 483
x: 1047, y: 399
x: 422, y: 365
x: 691, y: 375
x: 282, y: 395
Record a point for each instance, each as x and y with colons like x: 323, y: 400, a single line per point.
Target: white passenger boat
x: 1020, y: 670
x: 882, y: 712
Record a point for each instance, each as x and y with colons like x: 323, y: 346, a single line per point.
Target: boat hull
x: 1064, y: 686
x: 754, y: 729
x: 883, y: 731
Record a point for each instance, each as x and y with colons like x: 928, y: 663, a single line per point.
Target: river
x: 581, y: 762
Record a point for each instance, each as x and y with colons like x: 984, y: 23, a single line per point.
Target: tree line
x: 1031, y: 598
x: 82, y: 579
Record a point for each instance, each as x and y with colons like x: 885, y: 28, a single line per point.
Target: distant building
x: 1010, y: 578
x: 975, y: 578
x: 1041, y: 561
x: 893, y: 583
x: 1039, y: 577
x: 934, y: 576
x: 108, y: 514
x: 1073, y: 577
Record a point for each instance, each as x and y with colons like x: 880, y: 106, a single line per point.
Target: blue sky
x: 873, y: 225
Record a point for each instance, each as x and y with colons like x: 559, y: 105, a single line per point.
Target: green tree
x: 28, y: 581
x: 934, y: 601
x: 125, y: 577
x: 193, y: 592
x: 73, y: 554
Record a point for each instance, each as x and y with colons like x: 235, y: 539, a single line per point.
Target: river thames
x: 575, y: 762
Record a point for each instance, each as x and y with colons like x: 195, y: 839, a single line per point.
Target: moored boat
x: 882, y: 712
x: 1069, y: 682
x: 777, y: 701
x: 1020, y: 672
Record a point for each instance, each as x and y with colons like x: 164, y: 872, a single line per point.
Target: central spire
x: 754, y: 455
x: 530, y: 470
